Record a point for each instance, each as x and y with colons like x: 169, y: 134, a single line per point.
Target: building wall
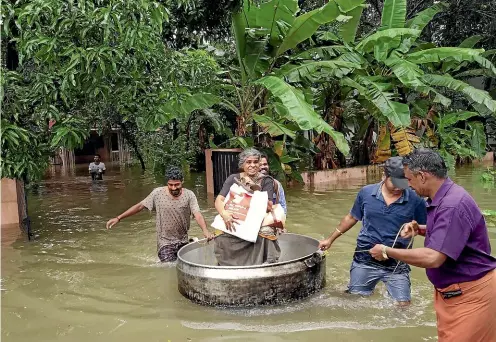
x: 102, y: 145
x: 10, y: 207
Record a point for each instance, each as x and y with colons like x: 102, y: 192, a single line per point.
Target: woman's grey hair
x: 249, y: 152
x: 426, y: 160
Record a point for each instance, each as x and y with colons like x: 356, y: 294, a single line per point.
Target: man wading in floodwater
x: 383, y: 208
x: 174, y: 206
x: 456, y: 253
x: 97, y: 168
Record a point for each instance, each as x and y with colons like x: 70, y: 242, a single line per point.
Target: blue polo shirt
x: 380, y: 222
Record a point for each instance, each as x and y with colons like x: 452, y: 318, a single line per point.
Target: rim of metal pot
x: 179, y: 257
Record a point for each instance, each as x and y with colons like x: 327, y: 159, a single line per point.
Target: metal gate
x: 220, y: 164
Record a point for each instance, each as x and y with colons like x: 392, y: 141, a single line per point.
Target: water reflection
x: 79, y: 282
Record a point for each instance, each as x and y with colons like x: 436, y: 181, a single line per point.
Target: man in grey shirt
x: 174, y: 206
x: 97, y: 168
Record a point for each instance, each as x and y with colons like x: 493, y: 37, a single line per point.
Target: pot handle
x: 315, y: 259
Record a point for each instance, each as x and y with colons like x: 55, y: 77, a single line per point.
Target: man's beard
x: 175, y: 193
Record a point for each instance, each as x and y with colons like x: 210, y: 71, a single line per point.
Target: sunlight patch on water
x: 294, y: 327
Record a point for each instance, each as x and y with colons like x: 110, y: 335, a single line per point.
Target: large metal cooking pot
x: 300, y: 273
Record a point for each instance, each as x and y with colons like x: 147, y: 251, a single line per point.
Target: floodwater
x: 76, y: 281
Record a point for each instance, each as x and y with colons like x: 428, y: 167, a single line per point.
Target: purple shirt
x: 456, y: 228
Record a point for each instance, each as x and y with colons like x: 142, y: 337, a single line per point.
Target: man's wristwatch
x: 384, y: 254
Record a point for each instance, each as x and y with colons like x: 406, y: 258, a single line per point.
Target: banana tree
x: 397, y: 70
x: 266, y: 36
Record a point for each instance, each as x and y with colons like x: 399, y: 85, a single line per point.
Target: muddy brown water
x: 79, y: 282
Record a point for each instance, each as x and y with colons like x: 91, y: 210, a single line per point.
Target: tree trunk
x: 132, y: 141
x: 329, y: 156
x: 241, y: 126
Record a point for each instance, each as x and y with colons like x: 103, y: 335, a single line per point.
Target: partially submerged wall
x: 10, y: 207
x: 359, y: 173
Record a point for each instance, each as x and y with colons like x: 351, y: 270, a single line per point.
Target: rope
x: 392, y: 246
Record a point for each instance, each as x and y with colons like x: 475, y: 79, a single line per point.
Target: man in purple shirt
x: 457, y: 252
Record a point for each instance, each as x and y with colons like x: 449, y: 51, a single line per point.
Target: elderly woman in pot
x: 231, y: 250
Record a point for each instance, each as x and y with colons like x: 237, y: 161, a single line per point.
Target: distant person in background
x: 279, y: 196
x: 97, y: 168
x: 174, y: 206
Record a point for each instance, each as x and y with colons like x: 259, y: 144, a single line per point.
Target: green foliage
x: 459, y: 138
x: 143, y: 66
x: 265, y: 35
x: 99, y: 63
x: 490, y: 217
x: 489, y: 177
x: 396, y: 69
x: 75, y: 59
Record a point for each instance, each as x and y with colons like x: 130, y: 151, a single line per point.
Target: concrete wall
x: 358, y: 172
x: 10, y: 208
x: 331, y: 176
x: 488, y: 159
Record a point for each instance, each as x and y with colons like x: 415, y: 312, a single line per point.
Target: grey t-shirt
x: 172, y: 214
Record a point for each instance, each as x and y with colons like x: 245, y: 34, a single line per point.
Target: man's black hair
x: 97, y: 155
x: 426, y: 160
x: 174, y: 173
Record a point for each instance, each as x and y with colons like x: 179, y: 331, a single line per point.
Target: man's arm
x: 346, y: 224
x: 130, y: 212
x: 448, y: 237
x: 421, y: 217
x: 195, y: 209
x: 420, y: 257
x: 203, y: 225
x: 282, y: 199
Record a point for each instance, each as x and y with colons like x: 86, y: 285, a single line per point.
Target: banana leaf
x: 273, y: 127
x: 478, y: 138
x: 451, y: 119
x: 420, y: 21
x: 404, y: 140
x: 476, y: 95
x: 272, y: 12
x: 396, y: 113
x: 307, y: 24
x: 348, y: 30
x: 322, y: 52
x: 470, y: 42
x: 393, y: 14
x: 310, y: 70
x: 299, y: 111
x: 381, y: 39
x: 451, y: 56
x: 383, y: 151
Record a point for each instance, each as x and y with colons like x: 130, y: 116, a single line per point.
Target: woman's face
x: 251, y: 166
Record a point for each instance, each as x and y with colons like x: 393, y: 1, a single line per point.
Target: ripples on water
x: 77, y: 281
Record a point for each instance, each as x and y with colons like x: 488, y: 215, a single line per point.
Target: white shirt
x: 94, y: 167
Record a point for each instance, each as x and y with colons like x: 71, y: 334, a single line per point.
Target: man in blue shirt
x: 279, y: 196
x: 383, y: 209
